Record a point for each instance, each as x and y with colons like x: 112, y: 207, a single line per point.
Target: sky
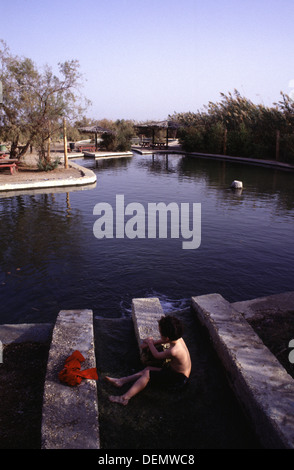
x: 146, y: 59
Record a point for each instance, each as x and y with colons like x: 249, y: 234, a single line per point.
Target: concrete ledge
x: 70, y: 414
x: 145, y: 314
x: 104, y: 155
x: 87, y: 177
x: 261, y: 384
x: 265, y: 306
x: 250, y: 161
x: 26, y: 332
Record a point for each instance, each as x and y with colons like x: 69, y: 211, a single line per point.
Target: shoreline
x: 79, y: 176
x: 75, y: 175
x: 249, y: 161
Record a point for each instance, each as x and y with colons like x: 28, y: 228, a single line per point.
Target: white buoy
x: 237, y: 184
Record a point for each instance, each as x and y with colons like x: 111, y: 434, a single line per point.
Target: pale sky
x: 145, y: 59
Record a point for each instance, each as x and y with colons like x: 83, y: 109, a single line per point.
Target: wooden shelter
x: 95, y: 130
x: 154, y: 125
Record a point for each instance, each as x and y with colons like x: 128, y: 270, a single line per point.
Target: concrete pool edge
x: 87, y: 177
x: 261, y: 384
x: 250, y: 161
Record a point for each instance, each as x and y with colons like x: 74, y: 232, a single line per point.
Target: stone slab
x: 26, y: 332
x: 269, y: 305
x: 70, y: 414
x: 262, y: 385
x: 145, y: 313
x: 106, y: 155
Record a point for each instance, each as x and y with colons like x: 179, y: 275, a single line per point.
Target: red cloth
x: 72, y: 374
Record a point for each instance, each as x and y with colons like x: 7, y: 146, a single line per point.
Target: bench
x: 90, y: 148
x: 12, y: 166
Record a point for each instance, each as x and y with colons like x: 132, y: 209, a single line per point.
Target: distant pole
x: 65, y: 144
x: 278, y: 135
x: 225, y: 141
x: 49, y: 141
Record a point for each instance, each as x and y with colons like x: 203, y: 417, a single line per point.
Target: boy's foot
x: 116, y: 382
x: 120, y: 399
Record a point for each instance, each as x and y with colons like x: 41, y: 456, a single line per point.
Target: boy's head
x: 170, y: 327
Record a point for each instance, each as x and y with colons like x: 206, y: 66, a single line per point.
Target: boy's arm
x: 157, y: 354
x: 145, y: 344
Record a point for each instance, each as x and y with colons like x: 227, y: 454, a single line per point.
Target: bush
x: 192, y: 139
x: 240, y: 142
x: 48, y: 165
x: 214, y: 138
x: 121, y: 139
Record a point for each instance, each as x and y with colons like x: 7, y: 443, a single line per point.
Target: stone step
x: 146, y: 312
x: 70, y: 414
x: 261, y: 384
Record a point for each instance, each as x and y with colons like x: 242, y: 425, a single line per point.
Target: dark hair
x: 170, y: 327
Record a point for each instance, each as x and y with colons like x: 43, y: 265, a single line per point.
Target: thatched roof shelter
x: 154, y: 125
x: 95, y: 130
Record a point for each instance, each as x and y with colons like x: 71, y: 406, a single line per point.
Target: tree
x: 35, y: 101
x: 121, y: 137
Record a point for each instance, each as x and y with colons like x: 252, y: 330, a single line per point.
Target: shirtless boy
x: 178, y: 371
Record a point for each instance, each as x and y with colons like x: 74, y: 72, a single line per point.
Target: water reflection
x: 38, y: 238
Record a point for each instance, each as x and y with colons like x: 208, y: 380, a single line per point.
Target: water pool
x: 51, y: 260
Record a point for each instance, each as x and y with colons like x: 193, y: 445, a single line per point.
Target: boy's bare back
x: 180, y: 357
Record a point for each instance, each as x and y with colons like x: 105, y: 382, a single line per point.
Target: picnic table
x: 144, y: 143
x: 89, y: 148
x: 160, y: 145
x: 10, y: 163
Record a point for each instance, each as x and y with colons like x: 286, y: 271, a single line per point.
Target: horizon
x: 146, y: 60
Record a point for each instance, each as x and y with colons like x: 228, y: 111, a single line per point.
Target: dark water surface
x: 50, y: 259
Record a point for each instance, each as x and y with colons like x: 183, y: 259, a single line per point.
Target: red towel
x: 72, y: 374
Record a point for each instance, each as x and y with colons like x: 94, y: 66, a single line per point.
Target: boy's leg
x: 138, y: 386
x: 123, y: 380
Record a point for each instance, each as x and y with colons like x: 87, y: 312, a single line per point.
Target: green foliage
x: 44, y: 165
x: 121, y: 137
x: 35, y: 101
x: 214, y: 138
x: 192, y: 139
x: 250, y: 129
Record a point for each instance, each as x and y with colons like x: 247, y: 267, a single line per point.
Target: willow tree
x: 35, y: 101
